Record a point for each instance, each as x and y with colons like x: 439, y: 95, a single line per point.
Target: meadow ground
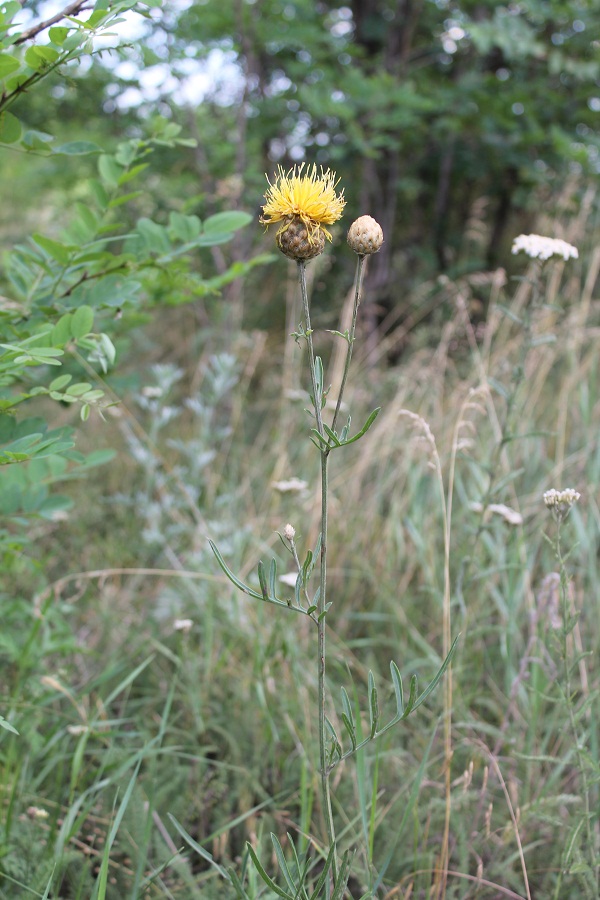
x: 144, y: 686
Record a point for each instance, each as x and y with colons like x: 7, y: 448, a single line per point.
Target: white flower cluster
x: 290, y: 486
x: 560, y: 502
x: 539, y: 247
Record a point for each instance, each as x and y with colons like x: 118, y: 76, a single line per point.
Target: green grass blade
x: 127, y: 681
x: 102, y: 881
x: 199, y: 849
x: 408, y: 808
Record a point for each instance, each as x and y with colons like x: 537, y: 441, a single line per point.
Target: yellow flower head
x: 310, y: 198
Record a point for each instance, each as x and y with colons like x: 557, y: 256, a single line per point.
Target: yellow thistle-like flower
x: 304, y: 204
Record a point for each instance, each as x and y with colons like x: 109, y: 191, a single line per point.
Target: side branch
x: 70, y: 10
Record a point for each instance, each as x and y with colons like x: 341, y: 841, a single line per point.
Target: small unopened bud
x: 365, y: 236
x: 289, y: 532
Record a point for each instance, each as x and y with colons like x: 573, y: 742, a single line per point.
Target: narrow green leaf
x: 7, y: 726
x: 283, y: 863
x: 346, y: 706
x: 268, y: 881
x: 325, y: 611
x: 44, y: 352
x: 234, y: 580
x: 297, y: 589
x: 345, y: 431
x: 124, y: 198
x: 433, y: 684
x: 316, y: 894
x: 342, y: 879
x: 237, y: 885
x: 365, y: 427
x: 273, y: 578
x: 301, y: 869
x: 337, y: 747
x: 131, y: 173
x: 398, y: 689
x: 319, y: 378
x: 412, y: 696
x: 262, y: 578
x: 332, y: 435
x: 324, y: 443
x: 307, y: 566
x: 350, y: 729
x: 373, y: 705
x: 77, y: 148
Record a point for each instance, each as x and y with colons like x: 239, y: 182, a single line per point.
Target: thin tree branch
x: 70, y: 10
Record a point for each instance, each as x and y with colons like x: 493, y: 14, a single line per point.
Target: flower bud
x: 289, y: 532
x: 365, y: 236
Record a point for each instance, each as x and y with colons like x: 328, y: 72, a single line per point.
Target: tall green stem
x: 321, y: 661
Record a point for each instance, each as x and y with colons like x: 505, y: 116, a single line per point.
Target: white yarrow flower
x: 500, y: 509
x: 77, y: 730
x: 290, y: 486
x: 290, y: 578
x: 539, y: 247
x: 560, y: 502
